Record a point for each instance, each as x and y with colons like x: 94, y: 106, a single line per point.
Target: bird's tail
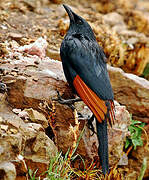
x: 103, y: 145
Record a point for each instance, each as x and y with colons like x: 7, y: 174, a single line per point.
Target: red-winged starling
x: 84, y: 65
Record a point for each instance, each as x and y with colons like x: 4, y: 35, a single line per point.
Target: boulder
x: 7, y: 171
x: 24, y: 144
x: 131, y: 91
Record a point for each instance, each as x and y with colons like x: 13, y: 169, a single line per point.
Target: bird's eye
x: 79, y: 21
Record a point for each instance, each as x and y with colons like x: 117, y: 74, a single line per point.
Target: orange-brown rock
x: 20, y: 142
x: 132, y: 91
x: 7, y: 171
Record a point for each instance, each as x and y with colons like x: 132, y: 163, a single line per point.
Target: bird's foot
x: 68, y: 102
x: 90, y: 125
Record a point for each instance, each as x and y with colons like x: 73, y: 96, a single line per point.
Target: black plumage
x: 82, y: 57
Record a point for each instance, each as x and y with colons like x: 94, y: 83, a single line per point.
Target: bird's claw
x: 68, y: 102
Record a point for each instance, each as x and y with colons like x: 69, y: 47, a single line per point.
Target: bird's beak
x: 70, y: 13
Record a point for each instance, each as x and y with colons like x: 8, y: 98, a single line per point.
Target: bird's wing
x: 88, y: 62
x: 96, y: 105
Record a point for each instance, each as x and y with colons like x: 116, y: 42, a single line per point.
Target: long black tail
x: 103, y: 145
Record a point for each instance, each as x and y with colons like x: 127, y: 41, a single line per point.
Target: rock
x: 15, y: 36
x: 1, y: 119
x: 35, y: 144
x: 27, y: 139
x: 106, y: 6
x: 53, y: 54
x: 21, y: 168
x: 133, y: 88
x: 3, y: 49
x: 7, y: 171
x: 37, y: 48
x: 13, y: 131
x: 4, y: 127
x: 40, y: 149
x: 136, y: 159
x: 16, y: 111
x: 88, y: 144
x: 117, y: 135
x: 56, y: 1
x: 113, y: 18
x: 24, y: 115
x: 37, y: 117
x: 131, y: 91
x: 123, y: 160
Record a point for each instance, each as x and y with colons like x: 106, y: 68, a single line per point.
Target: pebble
x: 14, y: 131
x: 1, y: 119
x: 14, y: 74
x: 36, y: 62
x: 4, y: 127
x: 35, y: 79
x: 15, y: 36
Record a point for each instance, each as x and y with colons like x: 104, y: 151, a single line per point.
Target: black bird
x: 84, y: 65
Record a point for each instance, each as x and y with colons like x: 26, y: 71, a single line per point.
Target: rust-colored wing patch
x: 96, y: 105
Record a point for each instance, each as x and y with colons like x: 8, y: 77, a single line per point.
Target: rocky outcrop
x: 29, y: 85
x: 33, y: 82
x: 132, y: 91
x: 23, y: 145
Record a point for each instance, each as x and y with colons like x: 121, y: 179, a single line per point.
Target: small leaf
x: 142, y: 125
x: 135, y: 129
x: 133, y: 122
x: 137, y: 142
x: 128, y: 142
x: 146, y: 71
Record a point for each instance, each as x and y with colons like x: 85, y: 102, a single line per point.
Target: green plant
x: 143, y: 168
x: 32, y: 174
x: 146, y: 72
x: 135, y: 130
x: 59, y: 167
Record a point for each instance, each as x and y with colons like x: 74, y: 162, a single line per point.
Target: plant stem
x: 143, y: 169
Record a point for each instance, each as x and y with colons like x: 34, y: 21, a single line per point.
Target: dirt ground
x: 25, y: 21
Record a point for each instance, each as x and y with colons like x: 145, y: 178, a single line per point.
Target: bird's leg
x: 68, y: 102
x: 90, y: 125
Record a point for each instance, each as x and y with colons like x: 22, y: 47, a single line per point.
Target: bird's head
x: 78, y: 25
